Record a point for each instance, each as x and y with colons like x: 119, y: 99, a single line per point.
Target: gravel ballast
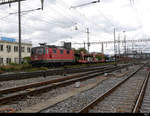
x: 77, y: 102
x: 72, y: 101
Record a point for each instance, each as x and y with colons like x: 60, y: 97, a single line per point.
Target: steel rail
x: 43, y: 88
x: 37, y: 84
x: 141, y: 95
x: 26, y: 75
x: 101, y: 97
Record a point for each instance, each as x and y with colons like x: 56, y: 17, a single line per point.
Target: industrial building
x: 9, y: 50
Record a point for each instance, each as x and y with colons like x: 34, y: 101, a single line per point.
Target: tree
x: 27, y: 59
x: 78, y: 51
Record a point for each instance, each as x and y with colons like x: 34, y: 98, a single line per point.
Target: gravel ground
x: 21, y: 82
x: 124, y: 97
x: 32, y: 100
x: 75, y: 103
x: 15, y: 83
x: 145, y: 108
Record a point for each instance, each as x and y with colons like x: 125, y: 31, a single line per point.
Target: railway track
x: 59, y: 79
x: 123, y: 97
x: 80, y: 100
x: 21, y: 82
x: 143, y: 101
x: 27, y: 75
x: 7, y: 95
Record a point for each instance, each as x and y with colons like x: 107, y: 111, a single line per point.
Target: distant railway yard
x: 93, y: 89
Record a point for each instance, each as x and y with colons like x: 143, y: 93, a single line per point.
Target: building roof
x: 23, y: 43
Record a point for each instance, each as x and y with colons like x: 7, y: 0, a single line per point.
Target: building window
x: 68, y: 52
x: 8, y: 48
x: 1, y: 47
x: 28, y: 49
x: 61, y: 51
x: 22, y: 49
x: 54, y: 50
x: 15, y: 48
x: 16, y: 60
x: 8, y: 60
x: 1, y: 60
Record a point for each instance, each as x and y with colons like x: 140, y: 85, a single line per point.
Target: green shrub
x: 27, y: 60
x: 43, y: 68
x: 26, y: 66
x: 7, y: 68
x: 12, y: 63
x: 15, y: 67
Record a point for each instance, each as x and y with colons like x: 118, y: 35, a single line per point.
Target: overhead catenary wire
x: 67, y: 15
x: 107, y: 18
x: 133, y: 5
x: 57, y: 11
x: 78, y: 12
x: 53, y: 17
x: 27, y: 13
x: 5, y: 16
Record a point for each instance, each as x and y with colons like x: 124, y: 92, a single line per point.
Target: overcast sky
x: 57, y: 22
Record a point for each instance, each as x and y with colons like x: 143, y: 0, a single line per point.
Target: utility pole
x: 124, y: 44
x: 84, y: 44
x: 2, y: 2
x: 119, y: 45
x: 88, y: 43
x: 19, y: 27
x: 85, y: 4
x: 115, y: 46
x: 132, y: 46
x: 102, y: 50
x: 42, y: 4
x: 19, y: 20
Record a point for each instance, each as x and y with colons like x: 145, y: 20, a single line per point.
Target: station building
x: 9, y: 50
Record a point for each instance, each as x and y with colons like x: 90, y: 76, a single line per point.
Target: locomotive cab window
x: 68, y: 52
x: 61, y: 51
x: 40, y: 51
x: 54, y: 50
x: 33, y: 51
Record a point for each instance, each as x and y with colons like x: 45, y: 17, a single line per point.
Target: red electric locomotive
x: 52, y: 55
x: 48, y: 55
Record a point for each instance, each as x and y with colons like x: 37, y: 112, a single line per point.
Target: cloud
x: 57, y: 21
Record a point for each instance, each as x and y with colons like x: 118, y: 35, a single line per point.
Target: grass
x: 20, y: 67
x: 28, y: 67
x: 85, y: 65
